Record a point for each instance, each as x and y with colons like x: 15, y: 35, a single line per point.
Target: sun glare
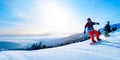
x: 56, y: 17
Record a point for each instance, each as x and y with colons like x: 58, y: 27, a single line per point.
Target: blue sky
x: 41, y: 16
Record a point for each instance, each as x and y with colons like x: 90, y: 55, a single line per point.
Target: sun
x: 56, y: 17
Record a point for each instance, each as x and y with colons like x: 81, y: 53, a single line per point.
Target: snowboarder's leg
x: 92, y: 36
x: 97, y: 35
x: 106, y: 34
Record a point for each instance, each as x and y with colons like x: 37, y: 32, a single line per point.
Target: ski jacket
x: 90, y: 27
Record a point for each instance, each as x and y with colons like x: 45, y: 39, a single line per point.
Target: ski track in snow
x: 96, y: 54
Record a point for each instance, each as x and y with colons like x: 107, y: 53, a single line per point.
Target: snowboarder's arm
x: 96, y: 23
x: 84, y: 30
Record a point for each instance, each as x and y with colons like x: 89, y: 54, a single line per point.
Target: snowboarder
x: 91, y: 31
x: 107, y: 29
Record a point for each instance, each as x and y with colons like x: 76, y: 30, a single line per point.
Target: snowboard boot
x: 93, y: 42
x: 99, y: 40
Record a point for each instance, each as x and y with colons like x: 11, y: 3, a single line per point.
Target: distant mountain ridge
x: 117, y: 25
x: 47, y: 34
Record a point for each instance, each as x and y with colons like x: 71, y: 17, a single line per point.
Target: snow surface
x: 108, y: 49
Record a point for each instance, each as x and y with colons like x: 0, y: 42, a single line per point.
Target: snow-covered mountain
x: 26, y: 41
x: 23, y: 41
x: 108, y: 49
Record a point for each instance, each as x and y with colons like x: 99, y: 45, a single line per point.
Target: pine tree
x: 36, y: 46
x: 33, y: 47
x: 44, y: 46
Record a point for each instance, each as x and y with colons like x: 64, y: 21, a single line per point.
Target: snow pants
x: 91, y: 33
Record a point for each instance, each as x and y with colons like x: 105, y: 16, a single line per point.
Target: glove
x: 84, y: 32
x: 98, y: 23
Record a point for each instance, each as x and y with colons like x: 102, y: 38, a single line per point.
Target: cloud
x: 12, y: 23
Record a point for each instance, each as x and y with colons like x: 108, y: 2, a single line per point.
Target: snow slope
x: 108, y: 49
x: 14, y: 41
